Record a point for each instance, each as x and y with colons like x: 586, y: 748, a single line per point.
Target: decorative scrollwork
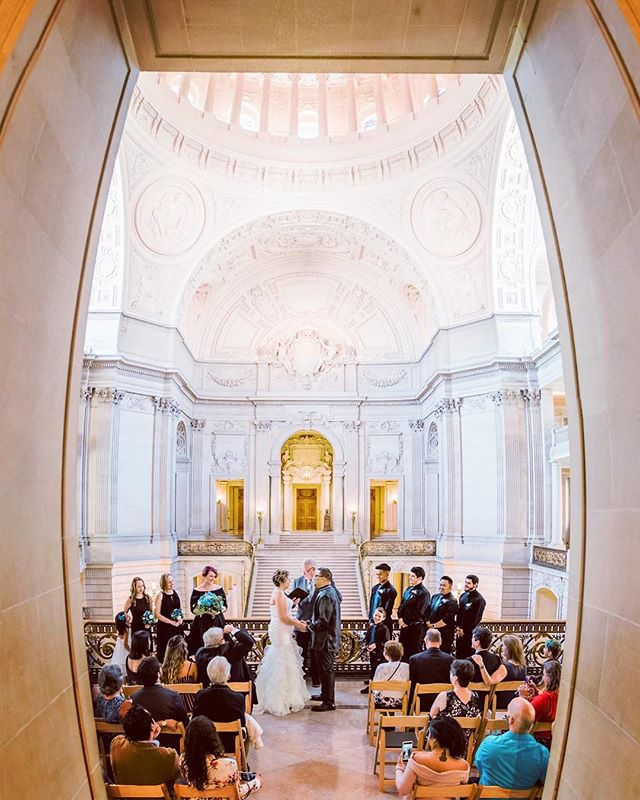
x: 423, y: 548
x: 550, y: 557
x: 190, y: 547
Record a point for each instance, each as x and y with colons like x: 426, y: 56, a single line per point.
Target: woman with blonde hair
x: 512, y: 668
x: 176, y: 667
x: 168, y: 613
x: 136, y: 604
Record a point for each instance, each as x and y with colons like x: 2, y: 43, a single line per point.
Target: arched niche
x: 306, y: 474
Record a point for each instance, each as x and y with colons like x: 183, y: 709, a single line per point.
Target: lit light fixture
x: 259, y: 514
x: 354, y: 514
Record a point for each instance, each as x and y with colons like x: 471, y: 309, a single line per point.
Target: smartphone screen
x: 407, y: 747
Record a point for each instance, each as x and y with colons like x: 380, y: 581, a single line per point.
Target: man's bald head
x: 521, y: 715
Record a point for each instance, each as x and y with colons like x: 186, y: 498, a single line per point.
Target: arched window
x: 308, y: 126
x: 249, y: 117
x: 546, y: 604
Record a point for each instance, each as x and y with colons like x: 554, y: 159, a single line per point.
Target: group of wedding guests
x: 213, y: 654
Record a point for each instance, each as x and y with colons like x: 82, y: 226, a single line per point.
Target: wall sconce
x: 354, y: 514
x: 219, y: 500
x: 259, y: 514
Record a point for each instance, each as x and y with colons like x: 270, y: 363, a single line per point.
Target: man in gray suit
x: 325, y: 636
x: 304, y: 612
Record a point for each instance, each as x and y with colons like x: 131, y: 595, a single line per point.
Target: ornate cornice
x: 423, y: 548
x: 191, y: 547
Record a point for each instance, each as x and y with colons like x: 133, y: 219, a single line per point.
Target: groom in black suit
x: 325, y: 636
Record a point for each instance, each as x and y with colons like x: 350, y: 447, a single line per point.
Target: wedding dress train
x: 280, y: 683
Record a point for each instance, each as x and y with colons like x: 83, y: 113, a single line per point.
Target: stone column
x: 211, y: 93
x: 511, y: 452
x: 535, y: 465
x: 261, y: 494
x: 407, y: 96
x: 448, y: 420
x: 416, y: 492
x: 288, y: 504
x: 265, y: 98
x: 238, y: 93
x: 196, y: 525
x: 275, y: 514
x: 352, y: 107
x: 339, y: 518
x: 185, y: 85
x: 294, y: 108
x: 556, y: 504
x: 325, y: 499
x: 84, y: 427
x: 162, y: 494
x: 103, y: 465
x: 381, y: 109
x: 323, y: 119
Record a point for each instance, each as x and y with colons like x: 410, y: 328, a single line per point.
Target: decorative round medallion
x: 169, y: 216
x: 446, y: 218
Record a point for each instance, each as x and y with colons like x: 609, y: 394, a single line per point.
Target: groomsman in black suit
x: 442, y: 613
x: 383, y: 595
x: 470, y: 610
x: 413, y: 613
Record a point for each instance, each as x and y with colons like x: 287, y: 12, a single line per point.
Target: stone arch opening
x: 306, y: 476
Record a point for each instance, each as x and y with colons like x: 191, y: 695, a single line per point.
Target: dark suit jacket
x: 235, y: 650
x: 220, y: 704
x: 430, y: 666
x: 325, y: 622
x: 305, y: 607
x: 491, y: 662
x: 162, y: 703
x: 378, y: 635
x: 388, y: 594
x: 444, y: 608
x: 414, y: 608
x: 470, y: 610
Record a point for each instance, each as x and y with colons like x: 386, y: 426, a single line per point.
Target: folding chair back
x: 187, y: 692
x: 103, y: 728
x: 392, y: 731
x: 473, y: 725
x: 463, y: 790
x: 129, y: 690
x: 228, y: 793
x: 245, y: 688
x: 127, y: 790
x: 486, y: 693
x: 384, y: 687
x: 504, y: 686
x: 427, y: 688
x: 175, y: 731
x: 238, y: 751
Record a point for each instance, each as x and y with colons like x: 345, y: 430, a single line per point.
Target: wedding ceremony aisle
x: 323, y: 755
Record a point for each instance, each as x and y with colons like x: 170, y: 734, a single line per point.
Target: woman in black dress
x: 167, y: 601
x: 136, y: 604
x: 203, y: 622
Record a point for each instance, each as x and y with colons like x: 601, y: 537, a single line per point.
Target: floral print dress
x: 223, y: 772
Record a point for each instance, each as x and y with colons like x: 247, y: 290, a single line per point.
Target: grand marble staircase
x: 289, y: 554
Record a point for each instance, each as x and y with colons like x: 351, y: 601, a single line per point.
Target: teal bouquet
x: 209, y: 603
x: 177, y: 614
x: 148, y: 618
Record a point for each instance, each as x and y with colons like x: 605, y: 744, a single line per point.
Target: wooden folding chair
x: 385, y: 687
x: 462, y: 790
x: 187, y: 692
x: 103, y: 728
x: 427, y: 688
x: 503, y: 686
x: 129, y: 690
x: 392, y: 731
x: 512, y: 794
x: 127, y: 790
x: 177, y: 730
x: 486, y: 692
x: 245, y: 688
x: 472, y: 724
x: 228, y: 793
x: 238, y: 751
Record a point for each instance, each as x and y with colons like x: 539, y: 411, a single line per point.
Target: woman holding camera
x: 441, y: 764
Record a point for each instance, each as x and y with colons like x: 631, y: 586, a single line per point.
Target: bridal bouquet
x: 148, y: 618
x: 209, y: 603
x: 177, y: 615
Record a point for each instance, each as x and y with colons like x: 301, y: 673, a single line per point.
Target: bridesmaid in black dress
x: 136, y: 604
x: 202, y: 623
x: 167, y: 601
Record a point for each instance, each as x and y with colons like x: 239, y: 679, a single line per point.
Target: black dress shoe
x: 324, y: 707
x: 317, y: 697
x: 316, y: 684
x: 365, y: 690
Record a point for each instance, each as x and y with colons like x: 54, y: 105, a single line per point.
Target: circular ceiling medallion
x: 446, y: 218
x: 169, y: 216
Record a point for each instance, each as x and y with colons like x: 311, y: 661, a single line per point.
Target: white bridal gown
x: 280, y: 683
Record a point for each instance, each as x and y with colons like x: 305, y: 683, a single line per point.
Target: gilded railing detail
x: 550, y: 557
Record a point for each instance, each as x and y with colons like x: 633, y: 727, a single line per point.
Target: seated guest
x: 392, y: 669
x: 375, y: 639
x: 442, y: 763
x: 544, y: 700
x: 176, y: 667
x: 203, y: 764
x: 459, y: 701
x: 109, y: 703
x: 140, y: 648
x: 218, y: 702
x: 514, y: 760
x: 512, y: 668
x: 230, y: 643
x: 136, y: 757
x: 163, y: 704
x: 430, y: 666
x: 480, y: 641
x: 552, y: 650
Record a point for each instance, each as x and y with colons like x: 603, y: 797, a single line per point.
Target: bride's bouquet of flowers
x: 148, y: 618
x: 209, y: 603
x: 177, y: 615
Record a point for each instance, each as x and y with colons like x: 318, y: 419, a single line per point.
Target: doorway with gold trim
x: 307, y: 509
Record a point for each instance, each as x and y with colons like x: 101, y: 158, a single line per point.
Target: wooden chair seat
x: 373, y: 709
x: 129, y: 790
x: 390, y: 739
x: 462, y: 790
x: 228, y: 793
x: 245, y: 688
x: 512, y: 794
x: 421, y: 689
x: 503, y: 686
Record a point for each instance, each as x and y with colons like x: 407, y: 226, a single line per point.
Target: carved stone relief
x: 229, y: 453
x: 106, y: 288
x: 446, y: 218
x: 181, y: 440
x: 384, y: 454
x: 169, y: 215
x: 433, y: 446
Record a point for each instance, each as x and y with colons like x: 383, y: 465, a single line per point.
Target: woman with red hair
x: 208, y: 619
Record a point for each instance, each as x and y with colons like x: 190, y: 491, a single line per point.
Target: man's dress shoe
x: 324, y: 707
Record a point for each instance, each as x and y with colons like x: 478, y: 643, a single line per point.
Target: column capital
x: 166, y: 405
x: 109, y: 394
x: 448, y: 405
x: 197, y: 425
x: 531, y: 396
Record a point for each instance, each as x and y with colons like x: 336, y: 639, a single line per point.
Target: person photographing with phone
x: 441, y: 764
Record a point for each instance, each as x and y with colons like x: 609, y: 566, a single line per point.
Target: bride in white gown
x: 280, y: 683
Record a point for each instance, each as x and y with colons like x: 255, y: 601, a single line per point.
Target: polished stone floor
x: 318, y: 755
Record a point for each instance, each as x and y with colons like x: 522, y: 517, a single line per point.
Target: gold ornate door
x: 306, y: 509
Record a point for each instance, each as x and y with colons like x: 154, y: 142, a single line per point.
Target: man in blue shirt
x: 513, y: 760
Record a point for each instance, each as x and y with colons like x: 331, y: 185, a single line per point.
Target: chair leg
x: 375, y: 758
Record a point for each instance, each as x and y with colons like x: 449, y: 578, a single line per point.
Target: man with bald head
x: 514, y: 760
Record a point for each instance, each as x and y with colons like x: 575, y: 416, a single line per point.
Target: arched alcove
x: 546, y: 604
x: 306, y: 482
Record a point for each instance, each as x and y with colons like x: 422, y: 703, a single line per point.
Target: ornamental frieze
x: 549, y: 557
x: 189, y: 547
x: 424, y: 548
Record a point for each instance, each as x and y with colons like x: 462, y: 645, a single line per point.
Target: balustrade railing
x: 352, y: 659
x: 551, y: 557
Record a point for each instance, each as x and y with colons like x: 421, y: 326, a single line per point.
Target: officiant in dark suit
x: 325, y: 636
x: 303, y: 612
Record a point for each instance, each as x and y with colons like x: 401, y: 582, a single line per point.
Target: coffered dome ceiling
x: 351, y: 240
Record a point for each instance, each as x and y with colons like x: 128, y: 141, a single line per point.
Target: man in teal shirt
x: 513, y: 760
